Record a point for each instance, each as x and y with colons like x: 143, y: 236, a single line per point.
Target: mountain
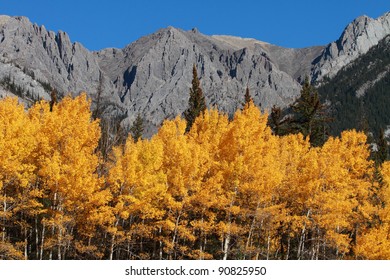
x: 152, y: 75
x: 35, y: 61
x: 358, y: 37
x: 359, y: 94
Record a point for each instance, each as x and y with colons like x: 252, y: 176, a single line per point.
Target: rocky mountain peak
x: 4, y: 19
x: 357, y: 38
x: 37, y: 60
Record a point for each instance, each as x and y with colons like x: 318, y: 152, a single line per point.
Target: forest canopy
x: 226, y: 189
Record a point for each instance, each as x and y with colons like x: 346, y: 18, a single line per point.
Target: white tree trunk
x: 42, y: 241
x: 226, y: 246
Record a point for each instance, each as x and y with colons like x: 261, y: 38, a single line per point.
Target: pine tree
x: 137, y: 128
x: 247, y: 97
x: 196, y: 103
x: 279, y: 124
x: 53, y: 99
x: 310, y: 116
x: 383, y: 148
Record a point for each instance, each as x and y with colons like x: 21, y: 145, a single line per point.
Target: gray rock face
x: 34, y: 58
x: 357, y: 38
x: 152, y: 76
x: 294, y: 62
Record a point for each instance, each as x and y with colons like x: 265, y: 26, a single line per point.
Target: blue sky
x: 116, y: 23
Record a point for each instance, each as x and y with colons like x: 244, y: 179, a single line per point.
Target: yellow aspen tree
x: 297, y: 163
x: 19, y: 197
x: 374, y: 243
x: 207, y: 195
x: 325, y: 194
x: 342, y: 189
x: 67, y: 163
x: 248, y: 153
x: 138, y: 187
x: 180, y: 165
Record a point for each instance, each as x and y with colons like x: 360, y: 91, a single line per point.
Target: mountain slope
x: 359, y: 93
x: 156, y: 79
x: 36, y: 60
x: 358, y: 37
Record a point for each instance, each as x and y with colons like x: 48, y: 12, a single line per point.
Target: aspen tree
x: 374, y: 242
x: 66, y: 164
x: 207, y: 197
x: 180, y: 166
x: 247, y: 151
x: 19, y: 197
x: 138, y: 187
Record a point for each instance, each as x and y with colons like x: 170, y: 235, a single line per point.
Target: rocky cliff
x: 359, y: 92
x: 358, y: 37
x: 153, y: 75
x: 36, y: 60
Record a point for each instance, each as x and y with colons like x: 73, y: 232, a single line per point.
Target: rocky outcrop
x: 37, y: 59
x: 154, y: 74
x: 358, y: 37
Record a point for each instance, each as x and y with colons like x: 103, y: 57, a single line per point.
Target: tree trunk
x: 36, y: 238
x: 204, y: 245
x: 112, y: 243
x: 248, y: 241
x: 227, y: 238
x: 228, y: 234
x: 288, y: 247
x: 175, y: 232
x: 301, y: 245
x: 226, y: 246
x: 25, y: 244
x: 4, y: 221
x: 161, y: 244
x: 112, y: 247
x: 59, y: 244
x: 268, y: 244
x: 42, y: 241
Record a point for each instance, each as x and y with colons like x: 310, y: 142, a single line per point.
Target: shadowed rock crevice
x: 129, y: 77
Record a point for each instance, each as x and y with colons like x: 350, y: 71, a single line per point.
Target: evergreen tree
x: 137, y: 128
x: 196, y: 103
x: 383, y: 148
x: 279, y: 124
x: 310, y: 116
x: 247, y: 97
x: 53, y: 99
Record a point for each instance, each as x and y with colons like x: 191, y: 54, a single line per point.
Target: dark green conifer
x: 310, y: 116
x: 382, y: 148
x: 196, y: 103
x: 247, y: 97
x: 53, y: 99
x: 137, y: 129
x: 279, y: 124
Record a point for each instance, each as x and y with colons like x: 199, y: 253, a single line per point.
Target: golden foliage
x: 226, y: 189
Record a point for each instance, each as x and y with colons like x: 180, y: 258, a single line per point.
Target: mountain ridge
x: 356, y: 39
x: 358, y: 93
x: 152, y: 75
